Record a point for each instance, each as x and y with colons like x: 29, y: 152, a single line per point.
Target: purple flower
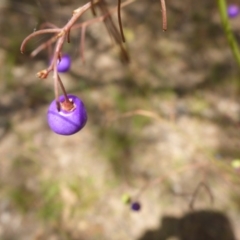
x: 135, y: 206
x: 67, y: 122
x: 65, y: 63
x: 233, y: 10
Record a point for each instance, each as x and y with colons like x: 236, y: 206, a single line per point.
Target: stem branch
x: 228, y: 31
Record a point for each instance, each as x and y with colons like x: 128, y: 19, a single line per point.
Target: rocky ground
x: 159, y: 128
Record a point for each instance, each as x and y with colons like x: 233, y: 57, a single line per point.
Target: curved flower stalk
x: 62, y: 35
x: 228, y: 30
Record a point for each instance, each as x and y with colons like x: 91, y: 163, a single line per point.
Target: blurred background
x: 163, y: 129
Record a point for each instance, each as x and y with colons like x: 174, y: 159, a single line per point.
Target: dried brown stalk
x: 120, y: 20
x: 60, y: 35
x: 196, y: 192
x: 164, y: 15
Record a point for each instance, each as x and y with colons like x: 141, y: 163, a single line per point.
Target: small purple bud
x: 65, y: 63
x: 135, y: 206
x: 233, y: 10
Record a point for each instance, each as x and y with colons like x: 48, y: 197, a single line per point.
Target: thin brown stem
x: 44, y: 45
x: 101, y: 18
x: 76, y: 14
x: 68, y: 35
x: 194, y: 196
x: 109, y: 22
x: 56, y: 58
x: 164, y: 15
x: 55, y: 78
x: 70, y: 25
x: 34, y: 34
x: 92, y: 8
x: 56, y: 90
x: 82, y: 42
x: 62, y: 88
x: 113, y: 30
x: 120, y: 20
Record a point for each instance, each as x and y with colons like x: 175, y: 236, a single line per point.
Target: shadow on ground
x: 197, y: 225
